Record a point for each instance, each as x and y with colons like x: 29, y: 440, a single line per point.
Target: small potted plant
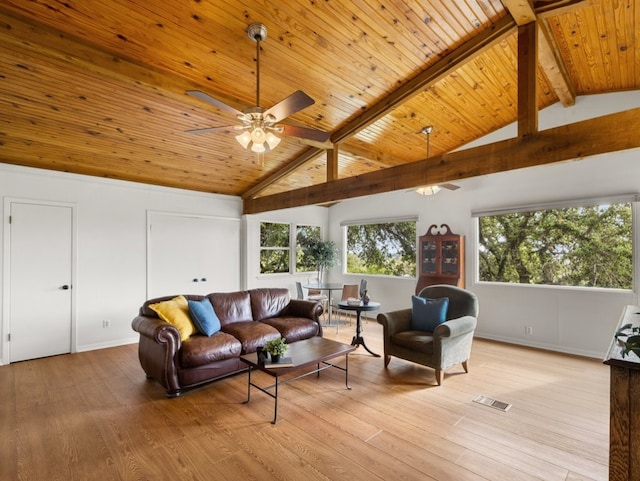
x: 276, y: 348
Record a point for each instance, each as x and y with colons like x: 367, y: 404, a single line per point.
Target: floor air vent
x: 493, y: 403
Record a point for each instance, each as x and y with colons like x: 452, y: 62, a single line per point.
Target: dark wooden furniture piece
x: 624, y: 402
x: 358, y: 340
x: 310, y: 352
x: 441, y: 258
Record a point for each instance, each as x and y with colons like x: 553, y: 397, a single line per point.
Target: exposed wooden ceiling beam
x: 550, y: 61
x: 443, y: 67
x: 547, y: 8
x: 307, y: 156
x: 553, y: 66
x: 332, y: 164
x: 521, y: 10
x: 601, y: 135
x: 527, y: 79
x: 423, y: 80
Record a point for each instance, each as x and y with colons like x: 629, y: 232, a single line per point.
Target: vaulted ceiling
x: 99, y: 88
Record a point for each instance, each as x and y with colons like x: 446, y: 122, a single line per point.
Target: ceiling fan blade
x: 208, y: 98
x: 295, y: 102
x: 449, y: 186
x: 208, y: 130
x: 305, y: 133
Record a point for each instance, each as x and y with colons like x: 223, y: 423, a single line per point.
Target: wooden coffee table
x: 310, y: 352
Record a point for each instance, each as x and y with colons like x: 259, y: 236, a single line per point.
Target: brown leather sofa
x: 248, y: 319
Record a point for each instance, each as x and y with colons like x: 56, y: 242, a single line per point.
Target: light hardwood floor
x: 94, y: 416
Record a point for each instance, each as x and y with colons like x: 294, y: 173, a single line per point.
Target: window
x: 588, y: 245
x: 277, y: 251
x: 274, y: 248
x: 304, y: 233
x: 382, y: 248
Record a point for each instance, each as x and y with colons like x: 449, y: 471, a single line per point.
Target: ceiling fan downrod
x: 257, y: 32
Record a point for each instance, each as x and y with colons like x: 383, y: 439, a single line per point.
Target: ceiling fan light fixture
x: 260, y: 126
x: 428, y: 190
x: 258, y: 148
x: 272, y: 140
x: 258, y: 135
x: 243, y: 139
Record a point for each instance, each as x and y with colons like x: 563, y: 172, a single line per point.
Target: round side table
x: 358, y: 340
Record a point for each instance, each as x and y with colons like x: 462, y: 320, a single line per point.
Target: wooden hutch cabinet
x: 441, y: 258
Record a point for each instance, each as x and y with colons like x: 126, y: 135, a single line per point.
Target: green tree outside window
x: 588, y: 246
x: 387, y: 248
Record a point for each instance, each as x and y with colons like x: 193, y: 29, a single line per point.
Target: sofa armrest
x: 456, y: 327
x: 395, y: 321
x: 303, y: 308
x: 157, y: 330
x: 158, y: 349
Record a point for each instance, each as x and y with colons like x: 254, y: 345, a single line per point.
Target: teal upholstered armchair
x: 449, y: 343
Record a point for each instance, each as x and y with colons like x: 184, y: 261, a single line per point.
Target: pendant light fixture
x: 428, y: 189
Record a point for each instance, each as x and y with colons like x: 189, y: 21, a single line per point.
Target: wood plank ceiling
x: 98, y: 88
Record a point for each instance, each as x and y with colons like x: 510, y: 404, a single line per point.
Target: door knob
x: 204, y: 279
x: 195, y: 280
x: 65, y: 287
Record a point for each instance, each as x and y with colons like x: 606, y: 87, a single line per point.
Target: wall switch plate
x: 106, y: 323
x: 528, y: 330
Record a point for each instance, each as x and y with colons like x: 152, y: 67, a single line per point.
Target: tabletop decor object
x: 365, y: 298
x: 276, y: 348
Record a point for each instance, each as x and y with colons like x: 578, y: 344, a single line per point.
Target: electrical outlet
x: 528, y: 330
x: 106, y: 323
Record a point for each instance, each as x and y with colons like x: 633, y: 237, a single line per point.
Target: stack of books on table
x: 282, y: 362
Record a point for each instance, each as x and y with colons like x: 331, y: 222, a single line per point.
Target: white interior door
x: 40, y: 280
x: 192, y: 254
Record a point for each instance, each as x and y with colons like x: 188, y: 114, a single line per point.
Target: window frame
x: 292, y: 248
x: 345, y: 224
x: 563, y: 204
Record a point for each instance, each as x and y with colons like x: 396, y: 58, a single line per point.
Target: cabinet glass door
x: 449, y: 257
x: 429, y: 257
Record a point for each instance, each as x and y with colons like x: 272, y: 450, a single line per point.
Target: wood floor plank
x: 93, y: 415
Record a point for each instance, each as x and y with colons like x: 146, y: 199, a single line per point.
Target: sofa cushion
x: 204, y: 317
x: 251, y: 334
x: 231, y: 306
x: 414, y: 340
x: 266, y: 303
x: 294, y: 328
x: 427, y: 314
x: 200, y: 350
x: 176, y: 312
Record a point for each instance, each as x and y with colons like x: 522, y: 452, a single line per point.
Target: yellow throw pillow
x: 176, y: 312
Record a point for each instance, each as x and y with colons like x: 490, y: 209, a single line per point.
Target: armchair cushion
x: 204, y: 317
x: 415, y: 340
x: 427, y: 314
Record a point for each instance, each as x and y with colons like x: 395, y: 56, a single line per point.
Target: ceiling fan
x: 434, y: 188
x: 259, y: 127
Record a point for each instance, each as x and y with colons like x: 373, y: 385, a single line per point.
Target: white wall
x: 564, y: 319
x: 111, y: 242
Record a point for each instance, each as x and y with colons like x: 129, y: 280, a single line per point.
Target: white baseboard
x: 541, y: 345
